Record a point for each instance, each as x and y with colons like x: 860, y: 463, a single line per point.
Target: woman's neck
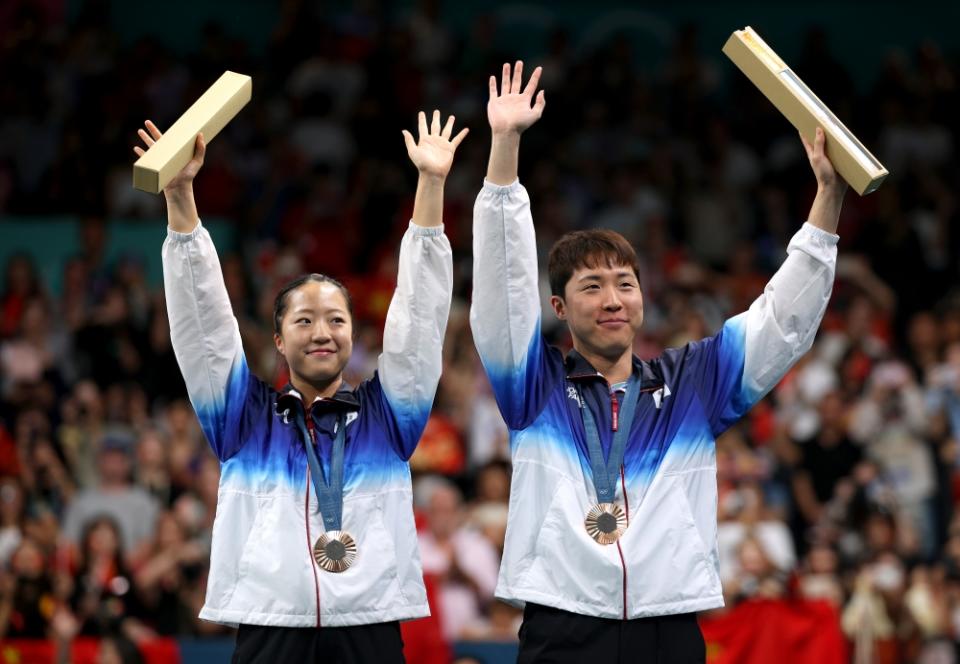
x: 310, y: 392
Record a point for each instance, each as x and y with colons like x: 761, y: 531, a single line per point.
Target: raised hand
x: 512, y: 110
x: 831, y: 188
x: 188, y: 172
x: 432, y: 153
x: 827, y: 177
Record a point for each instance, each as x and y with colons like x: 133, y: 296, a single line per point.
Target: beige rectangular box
x: 862, y: 171
x: 209, y: 114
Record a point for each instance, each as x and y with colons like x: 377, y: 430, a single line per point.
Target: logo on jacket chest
x: 660, y: 395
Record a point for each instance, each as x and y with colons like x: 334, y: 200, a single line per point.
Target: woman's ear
x: 278, y: 342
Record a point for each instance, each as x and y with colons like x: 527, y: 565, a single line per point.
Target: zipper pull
x: 614, y: 411
x: 313, y: 436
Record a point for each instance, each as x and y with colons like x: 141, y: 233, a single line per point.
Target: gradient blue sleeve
x: 412, y: 359
x: 505, y: 311
x: 740, y: 364
x: 230, y: 402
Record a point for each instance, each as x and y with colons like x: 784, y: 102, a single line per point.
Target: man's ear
x: 559, y: 307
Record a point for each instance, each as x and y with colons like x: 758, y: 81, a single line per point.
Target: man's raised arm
x: 756, y: 348
x: 505, y: 312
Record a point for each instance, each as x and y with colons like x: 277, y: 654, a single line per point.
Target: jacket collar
x: 579, y: 369
x: 343, y: 400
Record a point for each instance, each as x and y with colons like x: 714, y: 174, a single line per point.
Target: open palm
x: 512, y: 109
x: 433, y: 153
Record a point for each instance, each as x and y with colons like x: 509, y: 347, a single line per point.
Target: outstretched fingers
x: 459, y: 137
x: 533, y: 82
x: 422, y: 126
x: 434, y: 130
x: 517, y: 77
x: 149, y: 136
x: 154, y: 131
x: 145, y: 137
x: 505, y: 79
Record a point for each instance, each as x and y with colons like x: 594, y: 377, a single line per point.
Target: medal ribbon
x: 329, y: 487
x: 605, y: 473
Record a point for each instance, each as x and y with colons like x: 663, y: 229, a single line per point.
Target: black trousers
x: 379, y: 643
x: 552, y: 636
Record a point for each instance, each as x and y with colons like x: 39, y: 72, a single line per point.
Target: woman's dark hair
x: 85, y: 537
x: 280, y: 303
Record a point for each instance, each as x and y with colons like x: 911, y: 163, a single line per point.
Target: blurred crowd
x: 840, y: 485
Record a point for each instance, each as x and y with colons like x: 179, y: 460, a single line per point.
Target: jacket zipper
x: 626, y: 504
x: 306, y: 518
x: 614, y: 424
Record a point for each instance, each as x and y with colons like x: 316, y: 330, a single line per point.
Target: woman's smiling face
x: 316, y: 333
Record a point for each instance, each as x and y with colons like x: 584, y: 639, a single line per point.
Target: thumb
x: 541, y: 102
x: 201, y: 148
x: 408, y: 139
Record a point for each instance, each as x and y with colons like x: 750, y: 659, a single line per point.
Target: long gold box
x: 209, y: 114
x: 862, y: 171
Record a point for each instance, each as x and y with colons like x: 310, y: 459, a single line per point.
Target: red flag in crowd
x: 786, y: 632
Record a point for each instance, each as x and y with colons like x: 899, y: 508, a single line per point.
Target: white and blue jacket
x: 262, y: 570
x: 666, y: 562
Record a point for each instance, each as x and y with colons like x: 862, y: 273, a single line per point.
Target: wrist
x: 833, y: 190
x: 432, y: 179
x: 507, y: 135
x: 179, y: 194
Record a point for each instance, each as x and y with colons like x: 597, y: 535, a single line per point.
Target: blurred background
x: 838, y: 536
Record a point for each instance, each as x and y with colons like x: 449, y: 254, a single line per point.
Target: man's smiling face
x: 603, y: 307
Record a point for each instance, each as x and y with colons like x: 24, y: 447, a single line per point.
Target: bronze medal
x: 605, y: 523
x: 335, y: 551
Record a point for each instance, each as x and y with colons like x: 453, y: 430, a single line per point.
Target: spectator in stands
x: 104, y: 599
x: 27, y: 598
x: 132, y: 509
x: 11, y: 517
x: 826, y: 458
x: 172, y: 566
x: 20, y: 286
x: 465, y: 562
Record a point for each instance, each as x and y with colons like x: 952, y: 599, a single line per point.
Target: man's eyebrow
x: 593, y: 276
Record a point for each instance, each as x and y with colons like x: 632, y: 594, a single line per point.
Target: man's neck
x: 615, y: 370
x: 310, y: 392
